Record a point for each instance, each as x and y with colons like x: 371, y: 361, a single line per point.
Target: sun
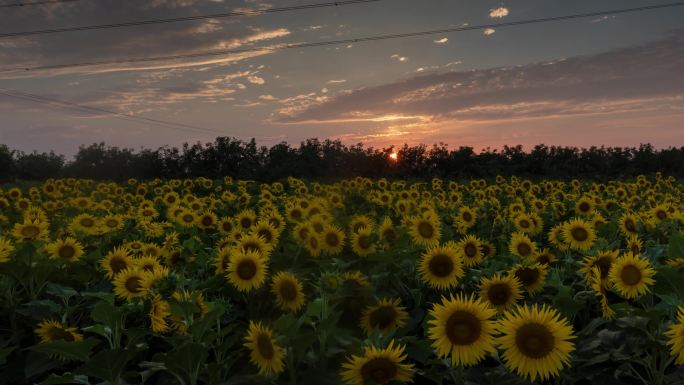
x: 394, y: 156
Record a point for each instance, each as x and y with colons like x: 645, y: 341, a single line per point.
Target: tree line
x: 331, y: 159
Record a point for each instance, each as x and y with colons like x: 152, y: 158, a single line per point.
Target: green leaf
x: 108, y: 365
x: 107, y: 314
x: 76, y: 350
x: 60, y: 291
x: 200, y: 327
x: 66, y: 378
x: 675, y: 248
x: 565, y: 302
x: 185, y: 362
x: 107, y: 297
x: 40, y: 309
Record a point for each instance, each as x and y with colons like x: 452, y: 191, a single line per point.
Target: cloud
x: 639, y: 78
x: 498, y: 13
x: 489, y: 31
x: 443, y: 40
x: 266, y: 97
x: 337, y: 81
x: 256, y: 79
x: 399, y: 57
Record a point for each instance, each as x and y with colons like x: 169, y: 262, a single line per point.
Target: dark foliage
x: 330, y: 159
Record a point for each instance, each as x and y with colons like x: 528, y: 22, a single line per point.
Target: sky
x: 612, y: 80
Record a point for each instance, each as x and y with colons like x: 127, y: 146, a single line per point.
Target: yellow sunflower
x: 470, y: 249
x: 377, y: 366
x: 603, y: 261
x: 425, y: 230
x: 255, y: 243
x: 536, y: 342
x: 51, y: 330
x: 386, y: 315
x: 6, y: 249
x: 462, y: 327
x: 544, y: 257
x: 128, y: 283
x: 160, y: 312
x: 30, y: 230
x: 531, y: 277
x: 628, y: 224
x: 67, y: 249
x: 288, y: 291
x: 500, y: 292
x: 116, y: 261
x: 522, y: 245
x: 265, y: 352
x: 631, y: 275
x: 441, y: 267
x: 579, y: 234
x: 362, y: 242
x: 247, y: 270
x: 388, y: 234
x: 333, y: 239
x: 675, y: 334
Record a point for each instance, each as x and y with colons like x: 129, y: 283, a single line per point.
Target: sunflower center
x: 579, y: 234
x: 288, y: 290
x: 524, y: 249
x: 87, y: 222
x: 266, y: 234
x: 467, y: 216
x: 245, y: 223
x: 364, y: 242
x: 332, y: 240
x: 30, y: 231
x: 117, y: 264
x: 463, y: 328
x: 470, y: 250
x: 133, y: 285
x: 527, y: 276
x: 630, y: 275
x: 56, y: 334
x: 66, y: 252
x: 441, y: 265
x: 499, y: 294
x: 383, y: 317
x: 188, y: 218
x: 227, y: 226
x: 524, y: 224
x: 534, y: 340
x: 661, y: 214
x: 265, y: 346
x: 112, y: 223
x: 207, y: 221
x: 584, y: 207
x: 630, y: 226
x: 389, y: 235
x: 247, y: 269
x: 425, y: 230
x: 544, y: 259
x: 379, y: 370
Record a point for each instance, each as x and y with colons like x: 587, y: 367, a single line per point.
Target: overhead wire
x: 35, y: 3
x: 253, y: 12
x: 279, y: 47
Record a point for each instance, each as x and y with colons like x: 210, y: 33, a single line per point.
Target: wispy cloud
x: 489, y: 31
x: 399, y: 57
x: 498, y: 13
x: 443, y: 40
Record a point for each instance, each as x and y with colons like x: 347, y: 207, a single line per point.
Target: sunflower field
x: 199, y: 281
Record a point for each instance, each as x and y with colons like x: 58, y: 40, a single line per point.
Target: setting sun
x: 394, y: 156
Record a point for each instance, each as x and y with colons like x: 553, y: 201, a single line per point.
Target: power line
x: 343, y: 41
x: 88, y: 109
x: 43, y: 2
x: 187, y: 18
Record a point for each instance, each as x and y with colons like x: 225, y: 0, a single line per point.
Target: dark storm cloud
x: 639, y: 77
x: 117, y: 43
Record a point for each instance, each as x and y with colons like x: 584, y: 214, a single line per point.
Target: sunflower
x: 441, y: 267
x: 584, y: 206
x: 631, y: 275
x: 207, y: 220
x: 579, y: 233
x: 470, y: 249
x: 388, y: 234
x: 265, y: 352
x: 360, y: 221
x: 30, y: 230
x: 112, y: 222
x: 603, y: 261
x: 160, y: 312
x: 116, y: 261
x: 288, y: 291
x: 675, y: 334
x: 362, y: 242
x: 500, y: 292
x: 221, y: 259
x: 200, y: 309
x: 333, y: 239
x: 628, y: 224
x: 461, y: 326
x: 247, y: 270
x: 522, y: 245
x: 255, y: 243
x: 51, y: 330
x: 544, y: 257
x: 425, y: 230
x: 67, y: 249
x: 245, y: 219
x: 313, y: 244
x: 226, y: 225
x: 386, y: 315
x: 84, y: 223
x: 355, y: 279
x: 536, y: 341
x: 267, y: 231
x: 128, y: 284
x: 531, y: 277
x: 377, y: 366
x: 634, y: 244
x: 6, y: 249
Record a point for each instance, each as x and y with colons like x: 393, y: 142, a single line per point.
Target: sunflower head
x: 288, y: 291
x: 631, y: 275
x: 247, y: 270
x: 500, y: 292
x: 265, y: 352
x: 378, y: 366
x: 51, y: 330
x: 441, y: 267
x: 386, y: 315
